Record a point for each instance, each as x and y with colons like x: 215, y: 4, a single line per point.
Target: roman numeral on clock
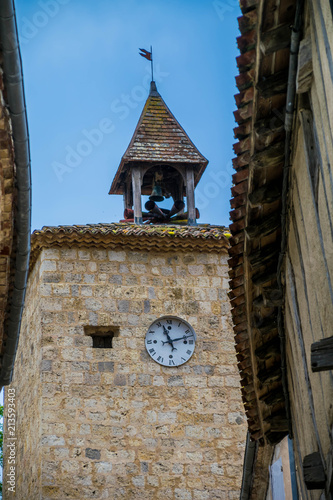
x: 188, y: 352
x: 160, y: 359
x: 149, y: 341
x: 152, y: 351
x: 171, y: 362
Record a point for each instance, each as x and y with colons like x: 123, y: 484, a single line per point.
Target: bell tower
x: 161, y: 161
x: 127, y: 385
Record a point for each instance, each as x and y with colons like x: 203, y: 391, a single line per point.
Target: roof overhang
x: 256, y: 213
x: 16, y: 184
x: 160, y: 238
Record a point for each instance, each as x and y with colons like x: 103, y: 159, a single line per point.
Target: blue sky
x: 81, y: 66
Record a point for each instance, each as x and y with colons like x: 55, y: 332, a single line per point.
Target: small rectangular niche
x: 102, y: 335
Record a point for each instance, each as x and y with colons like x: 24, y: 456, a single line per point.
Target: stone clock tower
x: 126, y: 379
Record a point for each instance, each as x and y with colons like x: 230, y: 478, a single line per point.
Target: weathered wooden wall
x: 308, y: 267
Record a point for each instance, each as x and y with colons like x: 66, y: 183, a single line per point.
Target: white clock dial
x: 170, y: 341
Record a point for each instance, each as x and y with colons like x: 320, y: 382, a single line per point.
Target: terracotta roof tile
x: 203, y: 237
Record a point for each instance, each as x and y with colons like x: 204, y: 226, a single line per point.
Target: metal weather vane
x: 148, y: 55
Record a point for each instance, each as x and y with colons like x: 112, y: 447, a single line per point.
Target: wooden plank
x: 313, y: 471
x: 237, y: 214
x: 304, y: 68
x: 238, y: 201
x: 265, y: 194
x: 269, y: 157
x: 322, y: 58
x: 306, y: 120
x: 136, y: 186
x: 270, y: 348
x: 278, y: 423
x: 272, y: 297
x: 273, y: 123
x: 267, y: 325
x: 273, y: 85
x: 293, y: 304
x: 266, y: 377
x: 239, y: 188
x: 322, y: 355
x: 264, y: 255
x: 273, y: 397
x: 267, y: 275
x: 275, y: 39
x: 237, y: 226
x: 240, y: 176
x: 190, y: 196
x: 237, y: 249
x: 265, y: 227
x: 245, y: 80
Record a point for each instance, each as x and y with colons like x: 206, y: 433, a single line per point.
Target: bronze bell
x: 156, y: 194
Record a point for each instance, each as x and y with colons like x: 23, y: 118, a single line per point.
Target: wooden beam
x: 136, y: 186
x: 191, y: 221
x: 269, y: 125
x: 273, y: 85
x: 264, y: 255
x: 273, y: 397
x: 275, y: 39
x: 269, y: 157
x: 304, y: 68
x: 270, y: 348
x: 265, y: 276
x: 237, y: 226
x: 278, y: 423
x: 265, y: 194
x: 236, y: 260
x: 258, y: 302
x: 267, y: 377
x: 313, y: 471
x: 322, y: 355
x: 273, y: 297
x: 265, y: 227
x: 127, y: 196
x: 266, y: 325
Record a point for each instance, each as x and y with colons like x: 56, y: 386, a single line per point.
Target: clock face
x: 170, y: 341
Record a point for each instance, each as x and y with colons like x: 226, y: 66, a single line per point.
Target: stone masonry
x: 112, y: 423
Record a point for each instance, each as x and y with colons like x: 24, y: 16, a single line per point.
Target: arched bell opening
x: 163, y: 192
x: 163, y: 182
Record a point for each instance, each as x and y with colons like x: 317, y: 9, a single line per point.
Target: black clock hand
x: 182, y: 338
x: 165, y: 331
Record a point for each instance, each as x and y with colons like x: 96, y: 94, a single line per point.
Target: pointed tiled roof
x: 159, y: 137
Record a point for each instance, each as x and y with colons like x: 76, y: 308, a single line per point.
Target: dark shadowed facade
x: 281, y: 251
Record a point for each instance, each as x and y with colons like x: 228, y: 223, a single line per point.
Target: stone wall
x: 115, y: 424
x: 27, y: 402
